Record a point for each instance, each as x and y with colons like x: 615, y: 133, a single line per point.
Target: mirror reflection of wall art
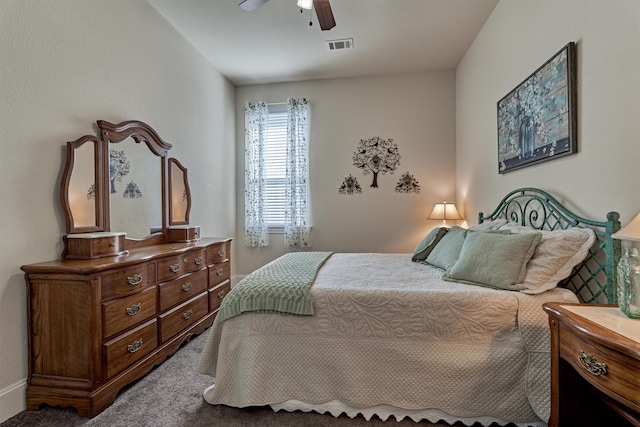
x: 537, y: 119
x: 407, y: 184
x: 91, y: 192
x: 118, y: 167
x: 132, y: 191
x: 350, y: 186
x: 376, y: 155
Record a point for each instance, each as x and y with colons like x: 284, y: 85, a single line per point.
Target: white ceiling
x: 276, y: 44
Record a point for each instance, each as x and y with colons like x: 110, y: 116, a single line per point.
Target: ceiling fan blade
x: 324, y: 13
x: 251, y: 5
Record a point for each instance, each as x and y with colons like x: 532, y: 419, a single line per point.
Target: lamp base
x: 629, y: 283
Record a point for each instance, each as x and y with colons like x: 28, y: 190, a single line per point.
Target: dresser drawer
x: 217, y: 294
x: 123, y: 313
x: 614, y: 378
x: 182, y: 316
x: 174, y: 267
x: 218, y: 253
x: 181, y: 289
x: 129, y: 281
x: 126, y: 349
x: 219, y: 273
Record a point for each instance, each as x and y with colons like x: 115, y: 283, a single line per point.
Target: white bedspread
x: 389, y: 333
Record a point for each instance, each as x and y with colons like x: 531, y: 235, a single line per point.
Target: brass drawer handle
x: 198, y: 260
x: 220, y: 271
x: 589, y: 362
x: 186, y: 286
x: 136, y: 279
x: 187, y: 314
x: 134, y: 309
x: 174, y: 267
x: 221, y: 294
x: 220, y: 253
x: 135, y: 346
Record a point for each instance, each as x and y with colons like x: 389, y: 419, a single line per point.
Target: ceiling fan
x: 322, y: 7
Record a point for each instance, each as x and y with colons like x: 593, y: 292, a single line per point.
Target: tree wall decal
x: 376, y: 155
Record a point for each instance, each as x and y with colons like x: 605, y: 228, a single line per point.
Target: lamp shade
x: 305, y: 4
x: 444, y: 211
x: 630, y: 231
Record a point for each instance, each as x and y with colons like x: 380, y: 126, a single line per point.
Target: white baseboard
x: 13, y: 400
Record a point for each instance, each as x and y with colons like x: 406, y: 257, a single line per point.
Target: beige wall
x: 518, y: 38
x: 416, y: 110
x: 70, y: 62
x: 64, y: 65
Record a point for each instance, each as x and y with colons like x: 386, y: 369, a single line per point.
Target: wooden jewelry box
x: 93, y: 245
x: 183, y: 233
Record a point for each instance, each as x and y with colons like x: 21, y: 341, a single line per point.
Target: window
x: 275, y: 173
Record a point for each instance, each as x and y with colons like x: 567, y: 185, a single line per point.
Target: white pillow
x: 489, y: 225
x: 555, y: 256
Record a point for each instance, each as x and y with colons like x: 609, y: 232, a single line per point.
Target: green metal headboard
x: 593, y: 281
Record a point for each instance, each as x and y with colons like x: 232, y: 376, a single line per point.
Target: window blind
x: 275, y: 167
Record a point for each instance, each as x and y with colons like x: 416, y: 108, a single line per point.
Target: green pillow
x: 494, y: 260
x: 446, y: 252
x: 430, y: 241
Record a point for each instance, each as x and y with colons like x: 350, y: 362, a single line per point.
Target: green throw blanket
x: 281, y: 286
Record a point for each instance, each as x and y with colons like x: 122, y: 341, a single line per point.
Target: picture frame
x: 537, y: 120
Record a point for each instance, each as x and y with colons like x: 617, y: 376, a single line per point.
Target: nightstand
x: 595, y: 366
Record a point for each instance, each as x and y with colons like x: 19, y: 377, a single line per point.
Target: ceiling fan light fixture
x: 305, y: 4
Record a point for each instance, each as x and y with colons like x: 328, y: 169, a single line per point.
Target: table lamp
x: 444, y: 211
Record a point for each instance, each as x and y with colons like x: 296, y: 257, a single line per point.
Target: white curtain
x: 256, y: 229
x: 296, y: 225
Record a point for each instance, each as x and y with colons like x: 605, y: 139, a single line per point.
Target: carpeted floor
x: 171, y: 396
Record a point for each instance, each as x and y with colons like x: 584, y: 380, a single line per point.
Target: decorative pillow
x: 427, y: 244
x: 446, y: 252
x: 494, y: 260
x: 489, y: 225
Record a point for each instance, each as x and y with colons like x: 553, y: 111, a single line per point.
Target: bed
x: 420, y: 335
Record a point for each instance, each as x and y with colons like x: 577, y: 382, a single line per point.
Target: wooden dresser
x: 96, y: 325
x: 595, y: 366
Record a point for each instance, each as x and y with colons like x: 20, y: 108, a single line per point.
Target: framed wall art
x: 537, y: 119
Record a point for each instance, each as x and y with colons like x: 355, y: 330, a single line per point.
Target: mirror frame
x: 98, y: 167
x: 185, y: 179
x: 139, y: 132
x: 115, y: 133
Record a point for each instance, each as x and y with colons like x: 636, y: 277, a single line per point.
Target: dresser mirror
x: 123, y: 182
x: 81, y: 198
x: 179, y: 194
x: 137, y: 174
x: 135, y: 189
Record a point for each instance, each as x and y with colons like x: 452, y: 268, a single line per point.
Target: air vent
x: 339, y: 44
